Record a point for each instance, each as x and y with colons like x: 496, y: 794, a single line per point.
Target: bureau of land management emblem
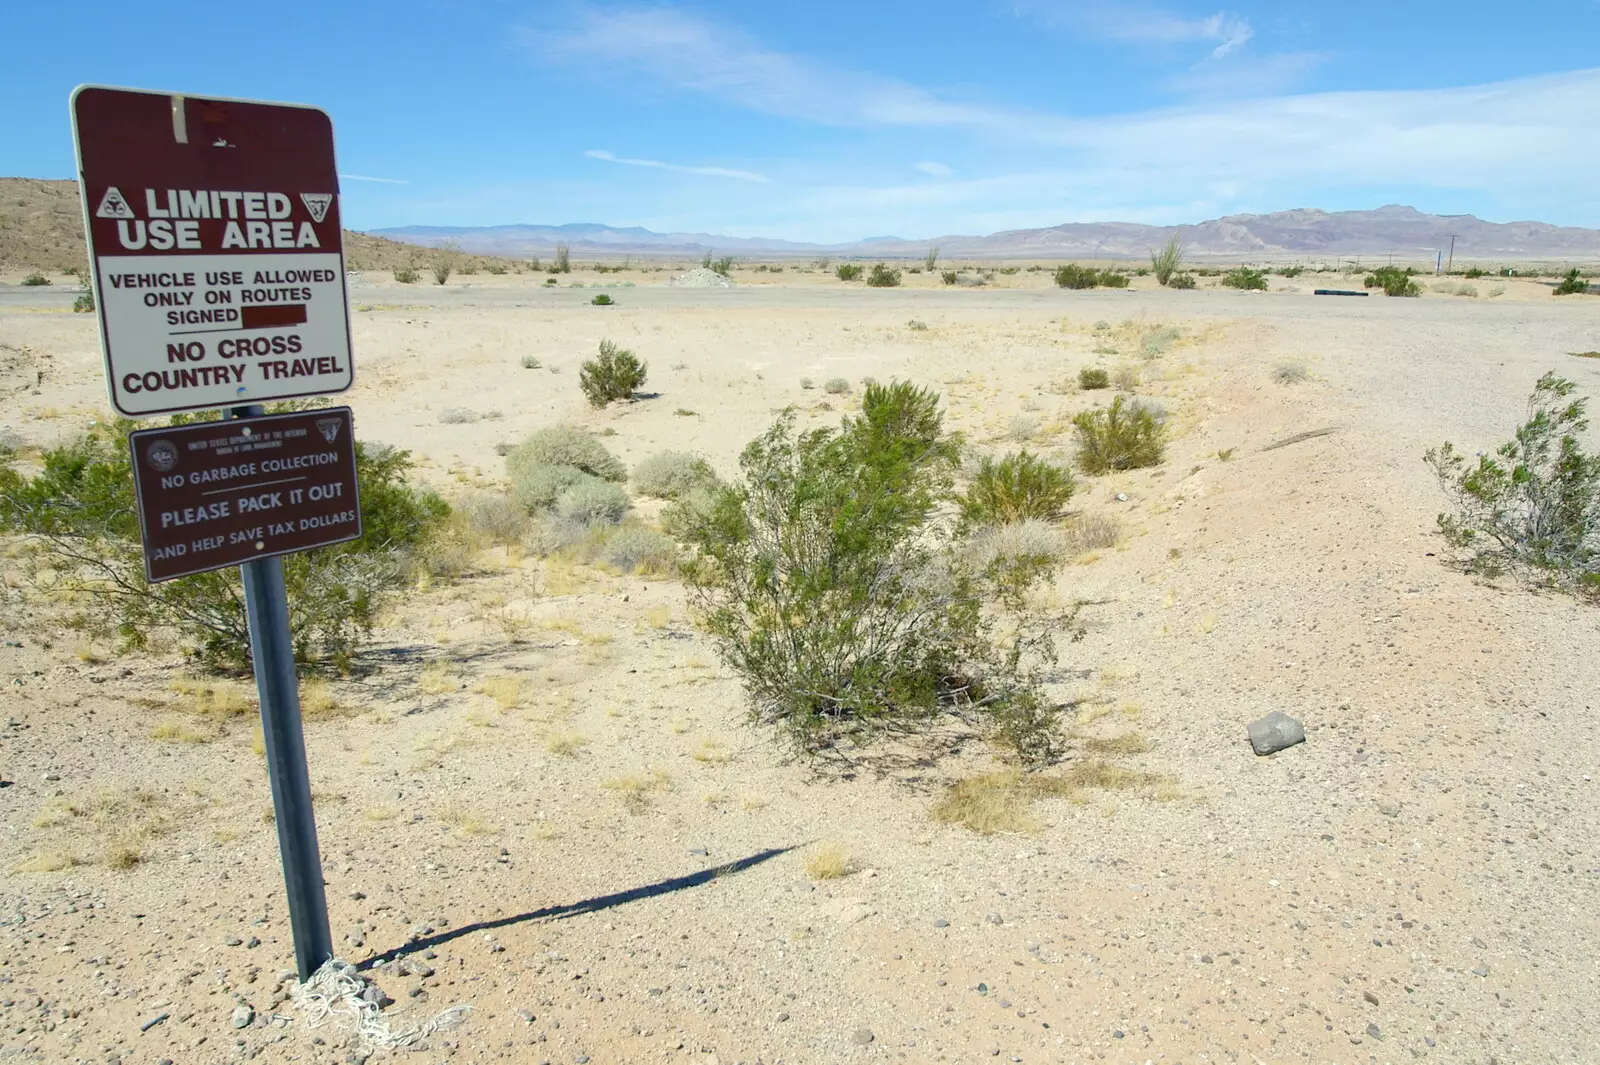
x: 162, y: 456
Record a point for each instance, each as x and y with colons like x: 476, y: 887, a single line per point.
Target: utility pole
x: 1451, y: 265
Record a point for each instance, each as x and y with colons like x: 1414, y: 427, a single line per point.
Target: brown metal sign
x: 216, y: 494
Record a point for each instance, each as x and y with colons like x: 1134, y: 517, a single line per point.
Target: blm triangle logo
x: 112, y: 205
x: 328, y: 427
x: 317, y: 204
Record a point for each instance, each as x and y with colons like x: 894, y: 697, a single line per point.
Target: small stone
x: 1118, y: 1034
x: 252, y: 943
x: 232, y: 941
x: 862, y: 1037
x: 1480, y: 944
x: 780, y: 1018
x: 1482, y: 970
x: 1275, y: 732
x: 940, y: 922
x: 983, y: 989
x: 1374, y: 1031
x: 242, y: 1016
x: 1122, y: 497
x: 1428, y: 1040
x: 526, y: 1015
x: 1005, y: 1003
x: 994, y: 918
x: 153, y: 1021
x: 583, y: 1059
x: 1389, y: 809
x: 357, y: 896
x: 1370, y: 997
x: 698, y: 852
x: 1205, y: 959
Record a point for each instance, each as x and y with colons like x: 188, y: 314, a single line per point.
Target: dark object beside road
x: 1337, y: 292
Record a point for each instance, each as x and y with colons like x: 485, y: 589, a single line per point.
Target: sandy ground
x: 596, y: 855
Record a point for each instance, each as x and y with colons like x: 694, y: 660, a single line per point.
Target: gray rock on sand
x: 1274, y: 732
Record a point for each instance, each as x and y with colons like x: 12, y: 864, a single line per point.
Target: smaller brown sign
x: 216, y: 494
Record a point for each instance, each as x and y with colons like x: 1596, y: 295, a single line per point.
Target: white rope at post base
x: 336, y: 990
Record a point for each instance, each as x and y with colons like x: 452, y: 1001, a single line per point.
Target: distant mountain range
x: 1404, y: 232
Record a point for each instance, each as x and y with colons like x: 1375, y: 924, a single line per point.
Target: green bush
x: 1473, y: 274
x: 848, y: 272
x: 836, y: 386
x: 636, y: 547
x: 1291, y: 271
x: 35, y: 280
x: 614, y: 374
x: 1017, y: 487
x: 406, y: 275
x: 845, y: 608
x: 1571, y: 285
x: 672, y: 474
x: 1079, y: 277
x: 536, y: 488
x: 531, y: 362
x: 564, y: 446
x: 593, y: 502
x: 83, y: 303
x: 1113, y: 279
x: 722, y: 266
x: 1092, y: 377
x: 1533, y: 507
x: 883, y: 276
x: 1123, y: 436
x: 602, y: 300
x: 1394, y: 281
x: 1164, y: 263
x: 80, y: 508
x: 1245, y: 279
x: 949, y: 277
x: 1181, y: 281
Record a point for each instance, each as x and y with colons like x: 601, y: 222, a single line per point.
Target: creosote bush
x: 949, y: 277
x: 1017, y: 487
x: 848, y: 610
x: 80, y: 508
x: 1080, y: 277
x: 1571, y: 285
x: 1123, y: 436
x: 848, y: 272
x: 614, y: 374
x: 1092, y: 377
x: 1181, y: 281
x: 1533, y: 507
x: 1394, y: 281
x: 406, y: 275
x: 883, y: 276
x: 35, y: 280
x: 593, y: 502
x: 602, y: 300
x: 1245, y: 279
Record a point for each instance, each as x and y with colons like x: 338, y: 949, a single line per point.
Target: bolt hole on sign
x: 214, y: 234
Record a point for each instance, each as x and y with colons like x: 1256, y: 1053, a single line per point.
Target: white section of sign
x: 112, y: 205
x: 317, y: 204
x: 196, y: 331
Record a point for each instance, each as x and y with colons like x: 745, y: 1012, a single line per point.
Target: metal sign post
x: 266, y: 607
x: 218, y: 265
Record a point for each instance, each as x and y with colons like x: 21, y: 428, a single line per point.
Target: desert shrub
x: 563, y: 263
x: 1164, y: 263
x: 492, y: 517
x: 836, y: 386
x: 949, y: 277
x: 1079, y: 277
x: 1091, y: 532
x: 615, y: 373
x: 441, y: 269
x: 35, y: 280
x: 1245, y: 279
x: 564, y: 446
x: 637, y: 547
x: 883, y: 276
x: 1472, y: 274
x: 531, y: 362
x: 1017, y: 487
x: 602, y: 300
x: 1289, y: 373
x: 931, y: 260
x: 1532, y: 507
x: 722, y: 266
x: 1113, y: 279
x: 1155, y: 341
x: 1123, y: 436
x: 593, y: 502
x: 406, y: 275
x: 917, y: 325
x: 457, y: 416
x: 848, y: 272
x: 1572, y: 284
x: 496, y: 268
x: 83, y: 303
x: 1126, y: 378
x: 80, y: 508
x: 672, y: 474
x: 846, y: 609
x: 1181, y: 281
x: 1291, y: 271
x: 1029, y: 542
x: 1394, y: 281
x: 537, y: 487
x: 1092, y: 377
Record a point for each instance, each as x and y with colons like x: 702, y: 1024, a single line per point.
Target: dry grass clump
x: 506, y: 690
x: 712, y: 752
x: 1126, y: 378
x: 318, y: 701
x: 117, y: 824
x: 1002, y: 802
x: 1091, y: 532
x: 459, y: 815
x: 174, y: 730
x: 489, y: 518
x: 216, y: 699
x: 565, y: 744
x: 830, y: 861
x: 1030, y: 540
x: 636, y: 788
x: 1289, y: 373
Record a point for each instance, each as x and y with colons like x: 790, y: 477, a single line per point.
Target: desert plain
x: 538, y: 796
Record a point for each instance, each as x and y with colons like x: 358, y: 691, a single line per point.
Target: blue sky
x: 834, y: 121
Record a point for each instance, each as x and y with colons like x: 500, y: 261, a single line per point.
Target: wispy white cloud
x: 380, y: 180
x: 656, y: 164
x: 1217, y: 154
x: 938, y: 170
